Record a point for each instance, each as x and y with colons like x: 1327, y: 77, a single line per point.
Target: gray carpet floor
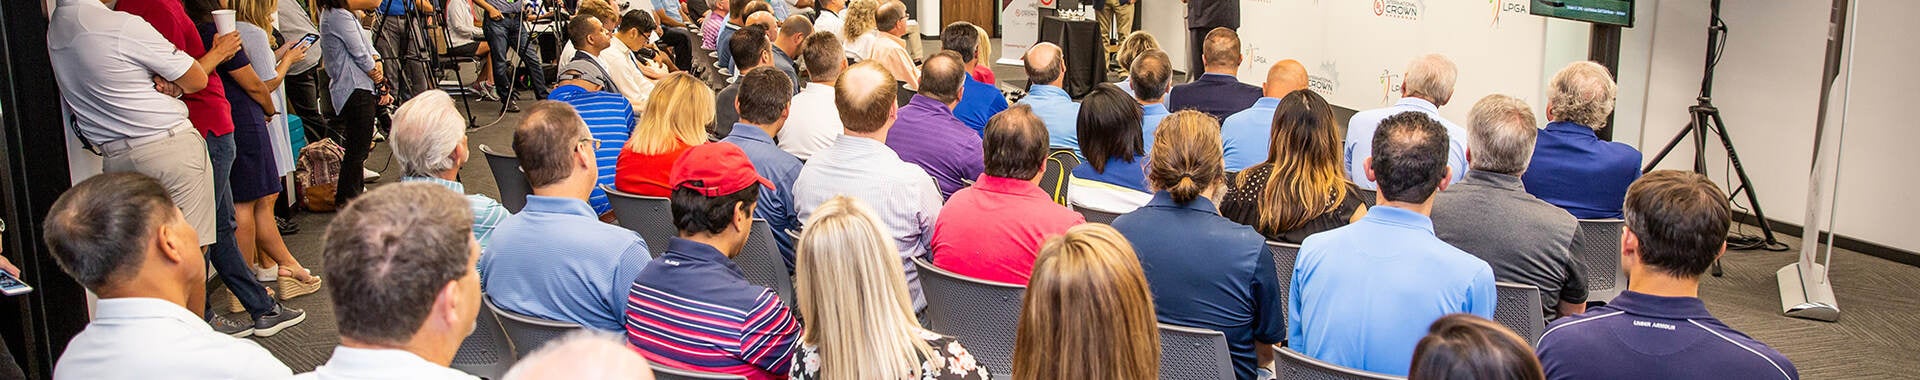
x: 1877, y: 337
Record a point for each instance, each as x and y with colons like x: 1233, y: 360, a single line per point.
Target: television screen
x: 1606, y: 12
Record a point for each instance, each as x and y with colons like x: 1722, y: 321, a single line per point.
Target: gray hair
x: 1501, y: 136
x: 426, y: 131
x: 1430, y: 77
x: 1582, y: 93
x: 583, y: 355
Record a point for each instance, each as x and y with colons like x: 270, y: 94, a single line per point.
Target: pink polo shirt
x: 993, y: 229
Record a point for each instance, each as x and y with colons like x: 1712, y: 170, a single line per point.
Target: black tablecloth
x: 1085, y: 52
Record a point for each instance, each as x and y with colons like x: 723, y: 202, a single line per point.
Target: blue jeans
x: 498, y: 33
x: 225, y: 254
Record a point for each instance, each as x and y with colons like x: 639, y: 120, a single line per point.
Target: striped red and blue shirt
x: 693, y: 309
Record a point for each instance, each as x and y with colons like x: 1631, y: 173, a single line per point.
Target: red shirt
x: 646, y: 174
x: 207, y: 109
x: 993, y: 229
x: 983, y: 74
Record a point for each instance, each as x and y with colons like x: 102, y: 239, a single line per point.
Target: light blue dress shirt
x: 1363, y: 295
x: 776, y: 204
x: 556, y: 260
x: 487, y: 213
x: 1248, y: 134
x: 347, y: 53
x: 1360, y: 139
x: 1150, y: 116
x: 1059, y: 112
x: 898, y: 192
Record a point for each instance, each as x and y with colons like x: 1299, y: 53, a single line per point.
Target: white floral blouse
x: 951, y: 361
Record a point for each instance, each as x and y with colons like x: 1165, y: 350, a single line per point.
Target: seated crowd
x: 859, y: 171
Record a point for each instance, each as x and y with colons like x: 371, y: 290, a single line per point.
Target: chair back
x: 1096, y: 216
x: 652, y: 217
x: 661, y: 372
x: 1293, y: 365
x: 1060, y: 164
x: 1597, y: 246
x: 1519, y: 309
x: 487, y: 353
x: 513, y: 184
x: 1284, y: 256
x: 762, y: 263
x: 982, y: 313
x: 528, y: 333
x: 1368, y: 197
x: 1194, y: 353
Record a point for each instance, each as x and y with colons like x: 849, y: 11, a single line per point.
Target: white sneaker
x: 369, y: 175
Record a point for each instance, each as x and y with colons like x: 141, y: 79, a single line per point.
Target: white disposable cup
x: 223, y: 21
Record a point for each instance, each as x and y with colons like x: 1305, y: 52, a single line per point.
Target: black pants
x: 305, y: 95
x: 356, y: 122
x: 1195, y: 37
x: 681, y: 41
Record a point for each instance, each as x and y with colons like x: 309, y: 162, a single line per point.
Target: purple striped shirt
x: 693, y: 309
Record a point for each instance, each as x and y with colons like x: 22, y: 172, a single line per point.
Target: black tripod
x: 1706, y: 120
x: 415, y: 57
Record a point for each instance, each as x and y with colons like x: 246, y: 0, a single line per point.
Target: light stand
x: 1706, y: 120
x: 1805, y: 290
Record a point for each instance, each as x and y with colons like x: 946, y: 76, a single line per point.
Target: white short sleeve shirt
x: 104, y: 62
x: 151, y: 338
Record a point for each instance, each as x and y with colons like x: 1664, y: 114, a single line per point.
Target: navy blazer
x: 1219, y: 95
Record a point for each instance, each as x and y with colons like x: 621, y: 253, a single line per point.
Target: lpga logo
x: 1390, y: 83
x: 1506, y: 6
x: 1400, y: 9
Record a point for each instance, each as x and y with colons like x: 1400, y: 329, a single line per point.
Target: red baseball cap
x: 715, y: 169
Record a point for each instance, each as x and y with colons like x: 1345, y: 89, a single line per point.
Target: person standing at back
x: 1659, y: 328
x: 1218, y: 90
x: 1205, y: 271
x: 1363, y: 295
x: 1491, y: 216
x: 1572, y: 167
x: 1427, y: 86
x: 993, y: 230
x: 1204, y: 16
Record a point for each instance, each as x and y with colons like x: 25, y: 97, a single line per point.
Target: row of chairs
x: 500, y: 338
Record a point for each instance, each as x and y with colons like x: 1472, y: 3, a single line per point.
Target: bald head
x: 865, y: 98
x: 1044, y: 64
x: 942, y: 75
x: 764, y: 19
x: 1284, y: 78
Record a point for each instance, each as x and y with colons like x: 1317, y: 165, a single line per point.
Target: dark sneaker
x: 512, y: 108
x: 287, y: 227
x: 230, y: 327
x: 281, y: 318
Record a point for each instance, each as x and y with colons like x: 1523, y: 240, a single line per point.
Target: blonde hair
x: 1088, y: 274
x: 1305, y: 179
x: 985, y: 48
x: 260, y: 13
x: 1135, y: 44
x: 1582, y: 93
x: 853, y: 295
x: 860, y: 18
x: 677, y: 114
x: 1186, y: 158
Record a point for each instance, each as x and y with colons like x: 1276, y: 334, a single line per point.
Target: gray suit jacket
x: 1525, y: 239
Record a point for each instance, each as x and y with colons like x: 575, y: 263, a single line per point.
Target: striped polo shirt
x: 1641, y: 336
x: 610, y: 118
x: 693, y: 309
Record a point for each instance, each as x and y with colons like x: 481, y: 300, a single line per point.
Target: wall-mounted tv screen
x: 1606, y: 12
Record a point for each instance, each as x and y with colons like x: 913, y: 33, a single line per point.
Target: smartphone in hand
x: 11, y: 286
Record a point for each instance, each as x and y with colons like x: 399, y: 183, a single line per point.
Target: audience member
x: 355, y: 75
x: 993, y: 230
x: 829, y: 19
x: 1205, y: 271
x: 817, y: 125
x: 929, y: 135
x: 429, y: 140
x: 506, y: 30
x: 860, y: 319
x: 1491, y: 216
x: 1676, y: 228
x: 860, y: 165
x: 676, y: 28
x: 1115, y: 18
x: 787, y: 41
x: 632, y: 60
x: 1088, y: 274
x: 1217, y: 91
x: 676, y: 119
x: 405, y: 292
x: 1114, y: 177
x: 711, y: 26
x: 465, y: 38
x: 693, y: 309
x: 607, y: 17
x: 261, y: 156
x: 1427, y: 86
x: 585, y: 85
x: 1046, y: 71
x: 1466, y: 347
x: 979, y: 100
x: 763, y: 112
x: 1299, y: 189
x: 752, y: 49
x: 303, y: 82
x: 393, y: 36
x: 1155, y: 72
x: 736, y: 19
x: 1248, y: 134
x: 555, y: 259
x: 1131, y: 46
x: 1363, y: 295
x: 583, y: 355
x: 883, y: 43
x: 983, y: 53
x: 121, y: 237
x: 1572, y: 167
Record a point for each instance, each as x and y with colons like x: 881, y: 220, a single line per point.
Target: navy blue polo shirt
x: 1641, y: 336
x: 1208, y: 272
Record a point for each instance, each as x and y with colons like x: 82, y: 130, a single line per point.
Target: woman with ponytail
x: 1205, y: 270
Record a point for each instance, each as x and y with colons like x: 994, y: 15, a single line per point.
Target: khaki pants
x: 180, y: 163
x: 1116, y: 20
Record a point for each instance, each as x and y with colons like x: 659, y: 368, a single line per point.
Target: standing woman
x: 1088, y: 274
x: 675, y: 120
x: 853, y: 295
x: 355, y: 72
x: 1302, y: 189
x: 257, y: 168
